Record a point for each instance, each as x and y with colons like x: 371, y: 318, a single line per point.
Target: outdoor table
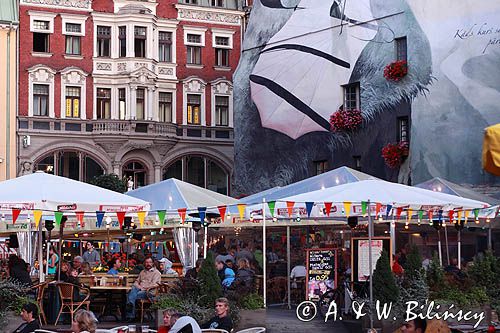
x: 108, y: 290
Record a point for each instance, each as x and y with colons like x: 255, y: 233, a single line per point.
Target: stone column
x: 149, y: 103
x: 116, y: 168
x: 157, y: 167
x: 132, y: 103
x: 81, y: 165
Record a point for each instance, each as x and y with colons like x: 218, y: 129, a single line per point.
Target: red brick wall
x: 103, y: 6
x: 57, y: 61
x: 166, y: 9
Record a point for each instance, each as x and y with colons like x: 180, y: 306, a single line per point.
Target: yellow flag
x: 459, y: 216
x: 347, y: 208
x: 241, y: 210
x: 409, y: 213
x: 141, y: 216
x: 466, y: 215
x: 37, y: 215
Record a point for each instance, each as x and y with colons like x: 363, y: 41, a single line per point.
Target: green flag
x: 364, y: 205
x: 58, y: 216
x: 161, y: 216
x: 271, y: 205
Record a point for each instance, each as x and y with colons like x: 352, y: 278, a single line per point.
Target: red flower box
x: 396, y: 71
x: 346, y: 120
x: 395, y: 154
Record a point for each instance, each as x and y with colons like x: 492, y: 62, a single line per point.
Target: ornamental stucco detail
x: 199, y: 15
x: 79, y: 4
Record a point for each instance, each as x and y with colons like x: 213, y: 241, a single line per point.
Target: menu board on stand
x: 360, y: 259
x: 321, y: 271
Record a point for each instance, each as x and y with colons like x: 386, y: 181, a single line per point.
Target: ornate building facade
x: 142, y: 89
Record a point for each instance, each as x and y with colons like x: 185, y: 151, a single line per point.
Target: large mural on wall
x: 298, y: 55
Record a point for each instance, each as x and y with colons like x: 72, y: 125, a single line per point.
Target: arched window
x: 72, y: 164
x: 201, y: 171
x: 137, y: 173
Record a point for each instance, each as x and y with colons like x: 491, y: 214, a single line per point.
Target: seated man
x: 221, y: 321
x: 148, y: 278
x: 29, y: 313
x: 114, y: 265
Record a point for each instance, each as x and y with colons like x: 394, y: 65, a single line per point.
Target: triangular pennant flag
x: 289, y: 207
x: 202, y: 213
x: 451, y: 214
x: 459, y: 216
x: 328, y: 208
x: 388, y: 211
x: 161, y: 216
x: 15, y: 214
x: 58, y: 216
x: 37, y: 215
x: 420, y: 214
x: 141, y: 216
x: 364, y: 205
x: 430, y: 214
x: 182, y: 214
x: 271, y: 205
x: 466, y: 215
x: 222, y: 212
x: 100, y: 216
x: 309, y: 207
x: 440, y: 215
x: 399, y: 210
x: 409, y: 214
x: 378, y: 207
x: 79, y: 218
x: 476, y: 213
x: 241, y: 210
x: 121, y: 218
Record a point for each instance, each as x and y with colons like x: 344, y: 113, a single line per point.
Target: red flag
x: 121, y: 218
x: 289, y: 207
x: 15, y: 214
x: 430, y: 213
x: 328, y: 207
x: 399, y: 210
x: 79, y: 218
x: 378, y: 207
x: 222, y: 212
x: 182, y: 214
x: 450, y: 215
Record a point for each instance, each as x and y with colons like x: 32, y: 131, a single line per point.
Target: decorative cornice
x: 195, y: 15
x: 72, y: 4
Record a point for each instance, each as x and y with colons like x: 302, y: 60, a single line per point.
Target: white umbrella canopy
x: 377, y: 192
x: 41, y: 191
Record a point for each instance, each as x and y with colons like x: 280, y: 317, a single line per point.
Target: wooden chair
x: 39, y: 289
x: 253, y: 330
x: 153, y: 293
x: 66, y: 292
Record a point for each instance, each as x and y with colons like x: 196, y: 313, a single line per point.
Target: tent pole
x: 205, y: 244
x: 439, y: 249
x: 489, y: 239
x: 459, y: 250
x: 370, y: 263
x: 264, y: 250
x: 40, y: 253
x: 446, y: 242
x: 288, y: 266
x: 393, y: 233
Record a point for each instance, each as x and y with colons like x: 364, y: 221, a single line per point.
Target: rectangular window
x: 193, y: 109
x: 165, y: 107
x: 217, y: 3
x: 165, y: 46
x: 403, y: 129
x: 194, y: 39
x: 192, y: 2
x: 321, y: 167
x: 103, y: 41
x: 222, y: 57
x: 139, y: 104
x: 73, y: 27
x: 41, y: 25
x: 401, y: 52
x: 194, y: 55
x: 221, y: 110
x: 351, y: 96
x: 221, y: 41
x: 73, y: 45
x: 122, y: 36
x: 40, y: 42
x: 122, y: 104
x: 40, y: 100
x: 140, y: 42
x: 103, y: 103
x: 73, y: 102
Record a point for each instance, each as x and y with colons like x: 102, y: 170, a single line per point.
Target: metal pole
x: 264, y: 259
x: 40, y: 253
x: 489, y: 239
x: 439, y: 249
x: 393, y: 233
x: 205, y: 243
x: 370, y: 263
x: 446, y: 242
x: 459, y: 250
x: 288, y: 266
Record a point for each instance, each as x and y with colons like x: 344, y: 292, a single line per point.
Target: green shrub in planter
x: 384, y: 285
x: 210, y: 284
x: 12, y: 298
x: 252, y: 301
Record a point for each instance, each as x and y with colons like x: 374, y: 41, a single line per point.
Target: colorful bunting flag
x: 420, y: 214
x: 37, y: 215
x: 466, y: 215
x: 182, y: 214
x: 364, y: 205
x: 202, y: 213
x: 222, y: 212
x: 15, y: 214
x: 271, y: 205
x: 241, y: 210
x: 121, y: 218
x: 388, y: 211
x: 430, y: 213
x: 378, y: 208
x: 451, y: 214
x: 58, y: 216
x: 161, y: 216
x: 399, y: 210
x: 309, y: 207
x: 476, y: 213
x: 141, y: 216
x: 459, y: 216
x: 289, y: 207
x: 79, y: 218
x: 100, y: 216
x: 409, y: 214
x: 328, y: 208
x: 440, y: 215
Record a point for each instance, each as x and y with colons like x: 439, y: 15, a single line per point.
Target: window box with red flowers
x: 346, y: 120
x: 396, y: 70
x: 394, y: 154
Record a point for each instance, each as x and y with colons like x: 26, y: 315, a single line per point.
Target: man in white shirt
x: 298, y: 271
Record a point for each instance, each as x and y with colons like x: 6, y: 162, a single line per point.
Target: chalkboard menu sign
x: 321, y: 271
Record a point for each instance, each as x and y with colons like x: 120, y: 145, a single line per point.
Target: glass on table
x: 131, y: 328
x: 145, y: 329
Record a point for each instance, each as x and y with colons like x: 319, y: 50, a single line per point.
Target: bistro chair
x: 152, y: 296
x: 39, y: 289
x: 253, y: 330
x: 66, y: 293
x: 213, y: 330
x: 44, y: 331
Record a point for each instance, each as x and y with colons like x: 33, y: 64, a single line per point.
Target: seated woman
x: 84, y: 321
x: 244, y: 275
x: 86, y: 269
x: 167, y: 314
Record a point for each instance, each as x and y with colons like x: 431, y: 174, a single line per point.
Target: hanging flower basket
x: 346, y: 120
x: 396, y: 71
x: 395, y: 154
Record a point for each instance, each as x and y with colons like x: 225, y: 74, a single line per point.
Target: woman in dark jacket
x: 18, y: 270
x: 244, y: 275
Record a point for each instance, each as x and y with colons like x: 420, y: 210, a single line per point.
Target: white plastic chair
x: 43, y: 331
x: 116, y: 329
x: 213, y: 330
x: 253, y: 330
